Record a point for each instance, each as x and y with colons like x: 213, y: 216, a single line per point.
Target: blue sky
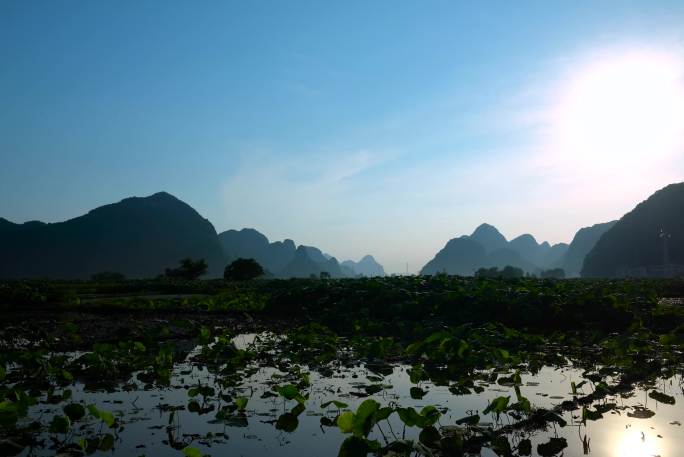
x: 359, y: 127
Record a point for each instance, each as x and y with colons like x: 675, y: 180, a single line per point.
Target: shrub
x: 243, y: 270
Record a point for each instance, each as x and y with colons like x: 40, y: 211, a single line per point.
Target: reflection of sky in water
x: 615, y: 435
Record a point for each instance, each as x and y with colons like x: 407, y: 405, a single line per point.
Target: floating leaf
x: 373, y: 389
x: 60, y: 424
x: 106, y: 443
x: 290, y: 392
x: 338, y: 404
x: 588, y: 414
x: 469, y: 420
x: 552, y: 447
x: 191, y: 452
x: 74, y: 411
x: 417, y: 393
x: 641, y: 413
x: 525, y: 447
x: 661, y: 397
x: 287, y: 422
x: 241, y: 403
x: 104, y: 416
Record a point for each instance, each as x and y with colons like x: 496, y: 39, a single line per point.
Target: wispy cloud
x: 437, y: 172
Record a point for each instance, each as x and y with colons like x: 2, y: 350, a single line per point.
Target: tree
x: 189, y: 269
x: 512, y: 272
x: 243, y: 270
x: 557, y: 273
x: 493, y: 272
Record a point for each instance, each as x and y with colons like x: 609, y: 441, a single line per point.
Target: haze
x: 386, y: 128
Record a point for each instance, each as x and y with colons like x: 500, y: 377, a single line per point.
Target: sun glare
x: 621, y: 111
x: 634, y: 443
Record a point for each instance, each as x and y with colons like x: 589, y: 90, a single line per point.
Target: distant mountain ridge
x: 138, y: 236
x: 486, y: 247
x: 286, y: 260
x: 367, y: 266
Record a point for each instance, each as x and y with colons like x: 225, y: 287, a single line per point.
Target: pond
x: 272, y: 405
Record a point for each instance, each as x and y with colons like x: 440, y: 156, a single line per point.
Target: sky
x: 367, y: 127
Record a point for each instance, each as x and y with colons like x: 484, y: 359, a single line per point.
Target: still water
x: 156, y: 421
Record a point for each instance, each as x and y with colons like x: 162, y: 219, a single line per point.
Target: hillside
x: 583, y: 242
x: 138, y: 237
x: 461, y: 256
x: 249, y: 243
x: 367, y: 266
x: 487, y: 247
x: 283, y: 259
x: 633, y: 246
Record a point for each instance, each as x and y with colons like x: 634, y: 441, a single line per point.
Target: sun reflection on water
x: 633, y: 442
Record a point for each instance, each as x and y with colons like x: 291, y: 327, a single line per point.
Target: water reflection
x: 637, y: 442
x: 161, y: 421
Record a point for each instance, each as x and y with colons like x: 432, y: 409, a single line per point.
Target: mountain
x: 138, y: 237
x: 332, y: 267
x: 634, y: 247
x: 367, y: 266
x: 527, y: 247
x: 543, y: 255
x: 502, y: 258
x: 301, y: 265
x: 461, y: 256
x: 486, y: 247
x: 489, y: 237
x: 583, y: 242
x: 316, y: 254
x: 284, y: 259
x: 246, y: 241
x: 251, y: 244
x: 554, y: 255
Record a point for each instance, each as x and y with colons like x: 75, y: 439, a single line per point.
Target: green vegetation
x: 508, y: 272
x: 243, y: 270
x: 478, y: 337
x: 189, y: 270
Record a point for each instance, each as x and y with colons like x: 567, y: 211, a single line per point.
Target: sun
x: 622, y: 110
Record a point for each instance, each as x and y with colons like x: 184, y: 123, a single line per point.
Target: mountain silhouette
x: 316, y: 254
x: 138, y: 237
x: 526, y: 245
x: 543, y: 255
x: 634, y: 245
x: 489, y: 237
x: 584, y: 241
x: 502, y: 258
x: 283, y: 259
x: 367, y: 266
x: 303, y: 266
x: 461, y: 256
x: 486, y: 247
x: 251, y: 244
x: 554, y: 255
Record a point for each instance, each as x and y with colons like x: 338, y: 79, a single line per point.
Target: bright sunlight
x: 621, y: 111
x: 634, y: 443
